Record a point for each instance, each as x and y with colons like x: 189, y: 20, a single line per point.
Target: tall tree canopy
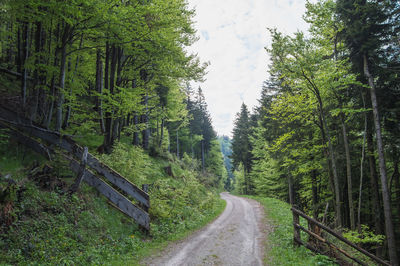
x: 328, y: 115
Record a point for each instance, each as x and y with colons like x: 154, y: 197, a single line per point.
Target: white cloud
x: 233, y: 34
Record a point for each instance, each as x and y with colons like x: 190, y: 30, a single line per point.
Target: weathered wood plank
x: 115, y: 178
x: 29, y: 142
x: 69, y: 145
x: 323, y: 240
x: 124, y: 204
x: 81, y: 171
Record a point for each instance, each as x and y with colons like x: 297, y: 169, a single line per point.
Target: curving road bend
x: 235, y: 238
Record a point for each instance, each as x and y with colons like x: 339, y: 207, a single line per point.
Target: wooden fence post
x: 296, y: 230
x: 145, y: 188
x: 79, y: 177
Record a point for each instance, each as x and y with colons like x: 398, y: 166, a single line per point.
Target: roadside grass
x: 46, y: 226
x: 279, y: 248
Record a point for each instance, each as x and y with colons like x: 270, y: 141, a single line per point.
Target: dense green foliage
x: 326, y: 130
x: 114, y: 68
x: 114, y: 75
x: 50, y: 227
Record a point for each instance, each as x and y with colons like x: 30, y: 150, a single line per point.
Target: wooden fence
x: 28, y: 133
x: 314, y: 231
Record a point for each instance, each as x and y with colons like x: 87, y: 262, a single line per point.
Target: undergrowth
x: 43, y: 225
x: 279, y: 248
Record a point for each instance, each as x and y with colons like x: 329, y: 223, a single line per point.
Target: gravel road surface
x: 235, y: 238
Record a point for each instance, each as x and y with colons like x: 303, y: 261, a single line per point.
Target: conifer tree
x: 241, y: 147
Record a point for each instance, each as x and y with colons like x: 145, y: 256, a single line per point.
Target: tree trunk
x: 61, y: 85
x: 116, y: 129
x: 69, y: 106
x: 162, y: 133
x: 24, y: 58
x: 117, y: 126
x: 203, y: 159
x: 397, y: 185
x: 60, y: 93
x: 99, y: 89
x: 177, y: 143
x: 10, y: 50
x: 52, y: 88
x: 362, y: 168
x: 314, y: 193
x: 382, y: 169
x: 376, y: 202
x: 145, y: 121
x: 348, y: 171
x: 110, y: 81
x: 37, y: 76
x: 396, y: 179
x: 338, y: 202
x: 135, y: 140
x: 291, y: 195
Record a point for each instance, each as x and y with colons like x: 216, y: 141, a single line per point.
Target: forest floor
x: 237, y: 237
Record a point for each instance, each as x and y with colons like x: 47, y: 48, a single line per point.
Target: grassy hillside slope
x: 41, y: 224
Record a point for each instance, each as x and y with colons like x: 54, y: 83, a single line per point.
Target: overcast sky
x: 233, y: 34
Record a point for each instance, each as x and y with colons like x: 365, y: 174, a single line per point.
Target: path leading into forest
x: 236, y: 237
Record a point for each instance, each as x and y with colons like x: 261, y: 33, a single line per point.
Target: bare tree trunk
x: 338, y: 202
x: 396, y: 179
x: 376, y: 202
x: 24, y: 58
x: 108, y: 138
x: 382, y: 169
x: 348, y: 171
x: 362, y: 168
x: 117, y: 127
x: 145, y: 121
x: 60, y: 90
x: 60, y: 93
x: 69, y: 106
x: 314, y: 193
x: 291, y: 195
x: 397, y: 185
x: 203, y: 159
x: 10, y: 50
x: 177, y: 143
x: 52, y: 86
x: 135, y: 140
x: 37, y: 76
x: 99, y: 89
x: 162, y: 132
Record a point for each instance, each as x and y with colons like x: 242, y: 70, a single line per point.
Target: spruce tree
x: 241, y: 147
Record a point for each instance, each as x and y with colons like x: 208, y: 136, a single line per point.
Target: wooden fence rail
x: 314, y: 223
x: 24, y: 131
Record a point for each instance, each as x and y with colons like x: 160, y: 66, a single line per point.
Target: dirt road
x: 235, y: 238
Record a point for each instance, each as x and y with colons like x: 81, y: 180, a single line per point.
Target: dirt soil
x: 236, y: 237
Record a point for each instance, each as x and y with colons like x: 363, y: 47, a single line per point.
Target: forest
x: 107, y: 67
x: 325, y: 135
x: 114, y: 76
x: 117, y: 78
